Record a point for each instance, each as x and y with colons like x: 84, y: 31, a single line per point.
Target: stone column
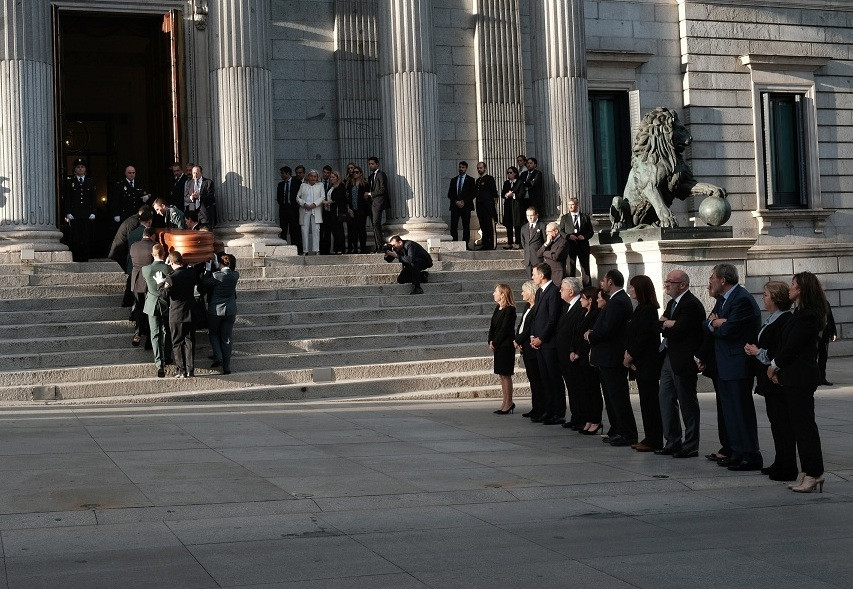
x: 357, y: 68
x: 27, y: 151
x: 560, y: 97
x: 410, y: 118
x: 241, y: 99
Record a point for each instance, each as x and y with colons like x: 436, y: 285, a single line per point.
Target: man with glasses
x: 681, y: 326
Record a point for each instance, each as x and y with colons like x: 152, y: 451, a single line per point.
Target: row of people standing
x: 315, y: 208
x: 592, y: 352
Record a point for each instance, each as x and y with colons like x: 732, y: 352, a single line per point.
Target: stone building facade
x: 766, y: 88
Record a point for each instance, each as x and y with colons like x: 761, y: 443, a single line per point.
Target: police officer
x: 78, y: 210
x: 128, y: 195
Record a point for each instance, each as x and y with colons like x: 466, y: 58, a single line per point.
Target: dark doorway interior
x: 117, y: 103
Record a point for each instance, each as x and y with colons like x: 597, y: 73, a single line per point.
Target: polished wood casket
x: 195, y: 246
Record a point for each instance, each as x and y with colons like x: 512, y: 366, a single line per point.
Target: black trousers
x: 485, y: 215
x: 552, y: 380
x: 358, y: 230
x: 615, y: 381
x: 464, y: 215
x: 800, y: 402
x: 183, y: 345
x: 579, y: 254
x: 784, y: 441
x: 537, y: 395
x: 650, y: 410
x: 570, y: 371
x: 293, y: 228
x: 411, y: 274
x: 590, y: 401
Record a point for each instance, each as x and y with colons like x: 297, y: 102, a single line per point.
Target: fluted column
x: 560, y: 96
x: 500, y: 90
x: 357, y: 68
x: 27, y: 152
x: 241, y: 98
x: 410, y: 117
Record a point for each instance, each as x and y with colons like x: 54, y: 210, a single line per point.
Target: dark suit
x: 140, y: 255
x: 799, y: 375
x: 531, y: 364
x: 679, y: 373
x: 178, y: 190
x: 608, y: 341
x: 554, y: 254
x: 514, y: 211
x: 415, y: 260
x: 546, y: 316
x: 487, y: 196
x: 180, y: 287
x: 566, y: 329
x: 533, y: 190
x: 466, y: 194
x: 734, y: 375
x: 531, y: 240
x: 157, y: 310
x: 282, y: 197
x: 578, y: 248
x: 380, y: 200
x: 784, y: 442
x: 206, y: 203
x: 78, y: 200
x: 222, y: 313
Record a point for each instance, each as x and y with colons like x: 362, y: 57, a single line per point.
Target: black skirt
x: 505, y: 360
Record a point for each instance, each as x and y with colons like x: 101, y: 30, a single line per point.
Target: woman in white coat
x: 310, y: 198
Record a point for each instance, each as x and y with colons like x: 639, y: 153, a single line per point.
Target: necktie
x: 131, y: 183
x: 80, y: 180
x: 575, y: 223
x: 532, y: 227
x: 459, y: 184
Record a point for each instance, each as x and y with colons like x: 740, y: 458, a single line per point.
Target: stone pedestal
x: 560, y: 102
x: 241, y: 97
x: 656, y: 259
x: 410, y: 119
x: 27, y: 155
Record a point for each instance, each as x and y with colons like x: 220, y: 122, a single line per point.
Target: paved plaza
x: 400, y: 494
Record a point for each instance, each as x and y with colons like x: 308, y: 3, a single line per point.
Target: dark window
x: 784, y: 150
x: 609, y: 146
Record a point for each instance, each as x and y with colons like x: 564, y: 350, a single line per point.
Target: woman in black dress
x: 643, y: 359
x: 501, y: 340
x: 778, y: 304
x: 514, y: 210
x: 589, y: 383
x: 795, y: 367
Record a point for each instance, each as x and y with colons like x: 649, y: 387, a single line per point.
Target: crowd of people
x: 582, y: 345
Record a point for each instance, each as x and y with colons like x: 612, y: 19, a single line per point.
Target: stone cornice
x: 785, y: 63
x: 799, y: 250
x: 839, y: 5
x: 621, y: 59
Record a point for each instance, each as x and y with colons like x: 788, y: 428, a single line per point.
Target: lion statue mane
x: 658, y: 175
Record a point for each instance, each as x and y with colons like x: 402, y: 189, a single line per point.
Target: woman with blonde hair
x: 528, y: 354
x: 310, y: 199
x: 501, y: 339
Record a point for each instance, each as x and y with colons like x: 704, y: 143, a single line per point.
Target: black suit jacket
x: 178, y: 186
x: 502, y: 327
x: 522, y: 334
x: 609, y: 337
x: 644, y: 342
x: 567, y: 326
x: 467, y: 194
x: 533, y: 189
x: 685, y: 338
x: 546, y: 314
x: 769, y: 339
x: 555, y: 255
x: 585, y: 228
x: 798, y: 348
x: 126, y: 200
x: 531, y: 241
x: 179, y: 286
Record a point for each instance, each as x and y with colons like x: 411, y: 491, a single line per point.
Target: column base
x: 419, y: 230
x: 249, y: 233
x: 15, y: 239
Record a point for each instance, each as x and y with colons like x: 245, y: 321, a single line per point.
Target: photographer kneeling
x: 415, y: 260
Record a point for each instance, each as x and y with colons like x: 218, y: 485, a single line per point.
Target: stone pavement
x: 390, y: 494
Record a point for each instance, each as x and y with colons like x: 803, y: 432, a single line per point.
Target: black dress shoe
x: 769, y: 469
x: 539, y: 418
x: 745, y: 465
x: 727, y: 462
x: 618, y: 441
x: 554, y: 421
x: 781, y: 475
x: 686, y: 454
x: 529, y: 414
x: 715, y: 456
x: 668, y: 451
x: 216, y: 364
x: 161, y: 373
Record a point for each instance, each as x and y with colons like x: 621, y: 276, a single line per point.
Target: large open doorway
x: 118, y: 80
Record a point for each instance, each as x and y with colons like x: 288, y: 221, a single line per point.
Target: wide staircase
x: 307, y: 328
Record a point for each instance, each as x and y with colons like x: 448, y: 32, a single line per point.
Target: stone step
x: 350, y: 381
x: 139, y: 363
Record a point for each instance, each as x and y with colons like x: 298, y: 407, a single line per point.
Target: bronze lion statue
x: 658, y: 175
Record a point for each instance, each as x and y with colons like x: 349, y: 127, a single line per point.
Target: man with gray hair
x: 567, y: 327
x: 554, y: 252
x: 733, y: 323
x: 681, y: 326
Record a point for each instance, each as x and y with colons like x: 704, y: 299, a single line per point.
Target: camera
x: 387, y: 248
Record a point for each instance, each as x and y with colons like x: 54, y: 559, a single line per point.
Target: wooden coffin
x: 195, y: 246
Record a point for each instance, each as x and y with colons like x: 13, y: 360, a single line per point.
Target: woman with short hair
x: 310, y: 199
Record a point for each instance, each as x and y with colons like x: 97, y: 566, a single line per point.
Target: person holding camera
x: 415, y: 260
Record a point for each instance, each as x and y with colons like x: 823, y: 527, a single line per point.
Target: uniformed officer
x: 78, y: 210
x: 128, y: 195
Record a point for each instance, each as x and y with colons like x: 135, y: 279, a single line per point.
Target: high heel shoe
x: 797, y: 482
x: 591, y: 432
x: 809, y: 484
x: 502, y: 412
